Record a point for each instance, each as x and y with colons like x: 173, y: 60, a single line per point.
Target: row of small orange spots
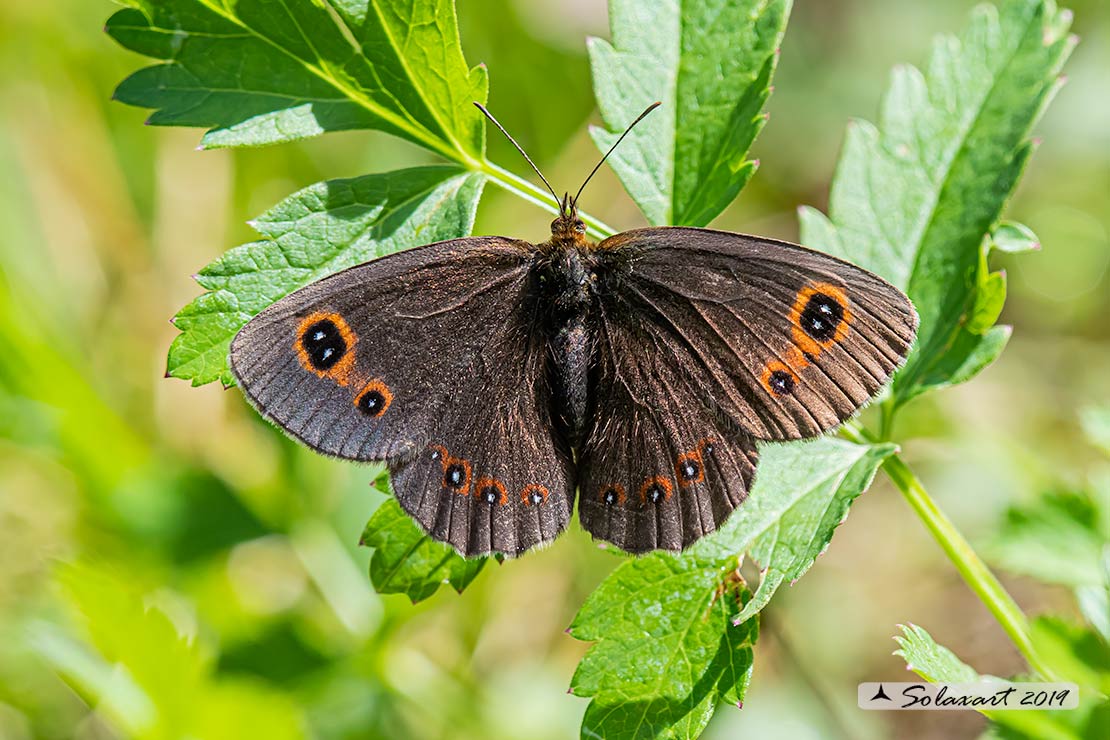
x: 457, y: 474
x: 689, y: 470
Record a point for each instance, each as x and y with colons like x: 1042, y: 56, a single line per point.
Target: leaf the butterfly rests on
x: 949, y: 149
x: 408, y: 561
x: 667, y: 650
x: 319, y: 230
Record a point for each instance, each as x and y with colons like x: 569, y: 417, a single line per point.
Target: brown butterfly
x: 499, y: 378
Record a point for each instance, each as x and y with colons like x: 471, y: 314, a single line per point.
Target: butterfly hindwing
x: 425, y: 359
x: 659, y: 468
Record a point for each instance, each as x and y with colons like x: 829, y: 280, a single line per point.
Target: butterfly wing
x: 659, y: 468
x: 710, y: 335
x: 431, y: 360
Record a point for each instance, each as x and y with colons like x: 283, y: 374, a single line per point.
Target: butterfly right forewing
x: 739, y: 313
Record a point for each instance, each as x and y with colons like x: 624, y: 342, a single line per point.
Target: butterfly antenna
x: 524, y: 154
x: 597, y: 167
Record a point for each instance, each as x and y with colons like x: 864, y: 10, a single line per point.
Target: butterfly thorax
x: 568, y: 230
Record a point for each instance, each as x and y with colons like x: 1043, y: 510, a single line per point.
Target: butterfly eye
x: 580, y: 227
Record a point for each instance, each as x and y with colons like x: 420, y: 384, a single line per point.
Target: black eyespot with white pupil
x: 371, y: 403
x: 489, y: 495
x: 655, y: 493
x: 689, y: 469
x: 821, y: 317
x: 454, y: 476
x: 535, y: 497
x: 611, y: 497
x: 324, y: 344
x: 781, y: 382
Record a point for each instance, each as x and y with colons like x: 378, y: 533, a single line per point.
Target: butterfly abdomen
x: 567, y: 287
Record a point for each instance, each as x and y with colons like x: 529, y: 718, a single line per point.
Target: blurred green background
x: 182, y: 499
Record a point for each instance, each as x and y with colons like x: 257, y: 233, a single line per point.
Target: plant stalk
x: 973, y: 570
x: 536, y: 195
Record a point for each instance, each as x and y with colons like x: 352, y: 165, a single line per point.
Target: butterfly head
x: 568, y: 228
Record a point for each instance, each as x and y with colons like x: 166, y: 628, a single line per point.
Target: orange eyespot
x: 491, y: 491
x: 374, y: 399
x: 655, y: 490
x: 612, y: 494
x: 533, y: 494
x: 779, y: 379
x: 689, y: 468
x: 325, y: 346
x: 820, y: 317
x: 456, y: 471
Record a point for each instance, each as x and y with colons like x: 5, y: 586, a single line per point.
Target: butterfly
x: 501, y: 380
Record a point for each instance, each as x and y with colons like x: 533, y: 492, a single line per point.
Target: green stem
x: 538, y: 196
x: 973, y: 570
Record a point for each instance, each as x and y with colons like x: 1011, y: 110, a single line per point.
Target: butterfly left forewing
x: 423, y: 359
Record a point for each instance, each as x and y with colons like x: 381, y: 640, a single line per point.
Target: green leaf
x: 665, y: 657
x: 710, y: 63
x: 408, y: 561
x: 167, y: 688
x: 1074, y: 651
x: 1094, y: 604
x: 320, y: 230
x: 938, y: 664
x: 1060, y: 538
x: 801, y: 494
x: 1014, y: 238
x: 259, y: 72
x: 667, y: 651
x: 931, y: 661
x: 914, y: 197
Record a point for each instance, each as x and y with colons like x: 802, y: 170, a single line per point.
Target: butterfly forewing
x: 430, y: 360
x: 787, y: 341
